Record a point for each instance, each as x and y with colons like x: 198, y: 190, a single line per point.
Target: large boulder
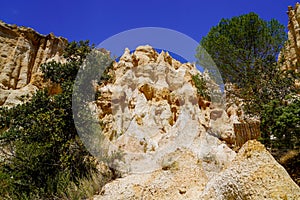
x: 253, y: 174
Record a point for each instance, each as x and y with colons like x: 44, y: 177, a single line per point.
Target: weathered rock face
x: 291, y: 51
x: 171, y: 137
x: 152, y: 104
x: 253, y: 174
x: 22, y: 51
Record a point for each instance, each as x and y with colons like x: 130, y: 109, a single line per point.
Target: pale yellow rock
x: 291, y: 51
x: 22, y: 51
x: 253, y: 174
x: 19, y: 96
x: 181, y: 179
x: 153, y: 106
x: 171, y: 137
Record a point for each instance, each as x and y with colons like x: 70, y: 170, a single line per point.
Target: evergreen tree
x: 241, y: 45
x: 245, y: 49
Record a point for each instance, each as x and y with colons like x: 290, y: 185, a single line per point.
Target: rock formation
x: 153, y: 101
x: 22, y: 51
x: 170, y: 137
x: 291, y: 52
x: 252, y: 174
x: 290, y: 55
x: 174, y: 142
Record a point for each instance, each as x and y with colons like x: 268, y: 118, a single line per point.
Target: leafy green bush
x: 280, y: 124
x: 46, y: 155
x: 200, y: 84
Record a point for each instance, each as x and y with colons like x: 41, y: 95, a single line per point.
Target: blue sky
x: 98, y: 20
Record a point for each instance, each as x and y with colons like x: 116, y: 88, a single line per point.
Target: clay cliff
x: 22, y: 51
x: 290, y: 55
x: 152, y: 103
x: 171, y: 138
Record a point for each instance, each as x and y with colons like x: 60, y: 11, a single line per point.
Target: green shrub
x: 47, y: 157
x: 200, y: 84
x: 280, y: 124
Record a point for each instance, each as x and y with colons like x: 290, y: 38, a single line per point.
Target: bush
x: 280, y: 124
x: 47, y: 156
x: 200, y: 84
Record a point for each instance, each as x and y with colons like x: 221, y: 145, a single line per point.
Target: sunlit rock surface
x: 174, y: 139
x: 22, y: 51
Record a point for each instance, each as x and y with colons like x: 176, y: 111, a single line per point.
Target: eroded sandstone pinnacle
x: 151, y: 98
x: 171, y: 137
x: 291, y: 51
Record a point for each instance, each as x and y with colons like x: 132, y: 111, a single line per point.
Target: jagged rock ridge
x: 290, y: 55
x: 153, y: 101
x: 171, y: 137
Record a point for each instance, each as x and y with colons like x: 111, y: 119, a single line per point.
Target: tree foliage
x: 281, y: 124
x: 267, y: 83
x: 242, y: 44
x: 39, y: 138
x: 200, y: 84
x: 245, y: 49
